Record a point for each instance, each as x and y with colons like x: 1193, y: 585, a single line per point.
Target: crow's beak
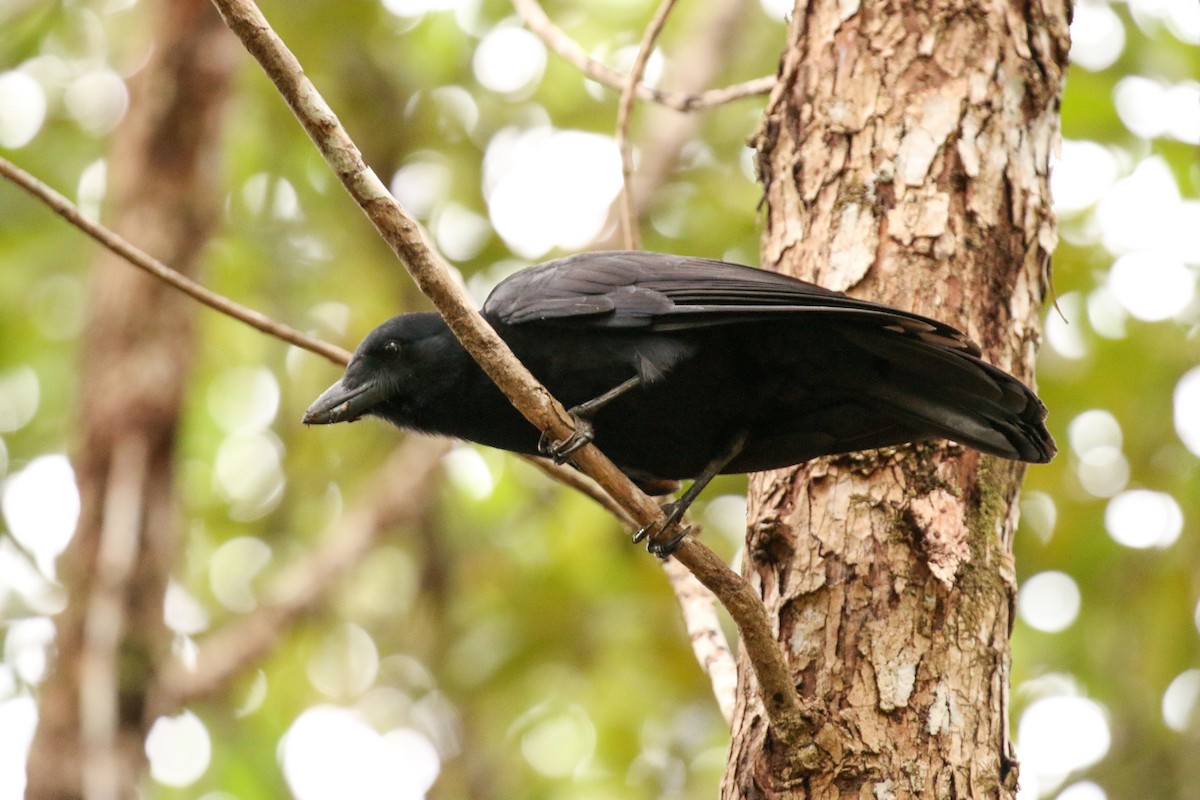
x: 342, y: 403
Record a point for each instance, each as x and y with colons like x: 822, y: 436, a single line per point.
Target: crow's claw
x: 561, y: 451
x: 664, y: 547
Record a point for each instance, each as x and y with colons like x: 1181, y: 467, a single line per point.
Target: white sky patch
x: 1097, y: 36
x: 22, y: 109
x: 548, y: 188
x: 18, y: 718
x: 1049, y: 601
x: 1059, y: 734
x: 1151, y: 285
x: 509, y: 60
x: 1080, y: 175
x: 1187, y: 409
x: 1180, y: 700
x: 179, y: 749
x: 1150, y: 108
x: 330, y: 753
x: 41, y: 507
x: 1136, y: 212
x: 1182, y: 17
x: 1141, y: 518
x: 25, y: 647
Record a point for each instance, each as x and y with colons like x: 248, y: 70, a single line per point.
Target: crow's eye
x: 391, y: 348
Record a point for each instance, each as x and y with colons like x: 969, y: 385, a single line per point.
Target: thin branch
x: 139, y: 258
x: 789, y: 716
x: 400, y: 495
x: 629, y: 218
x: 566, y: 47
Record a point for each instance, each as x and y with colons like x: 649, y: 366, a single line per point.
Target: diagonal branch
x: 629, y: 217
x: 567, y: 48
x: 142, y: 260
x: 401, y: 493
x: 790, y: 717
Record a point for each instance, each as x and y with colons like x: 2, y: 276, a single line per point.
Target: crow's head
x: 379, y: 372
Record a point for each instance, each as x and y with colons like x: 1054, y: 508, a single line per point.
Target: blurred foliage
x: 512, y: 627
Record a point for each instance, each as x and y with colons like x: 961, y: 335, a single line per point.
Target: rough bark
x: 111, y: 640
x: 904, y: 156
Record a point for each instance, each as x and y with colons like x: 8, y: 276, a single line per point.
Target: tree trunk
x: 904, y: 156
x: 111, y: 641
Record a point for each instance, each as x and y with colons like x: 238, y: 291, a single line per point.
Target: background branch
x: 142, y: 260
x: 566, y: 47
x: 401, y: 493
x: 629, y: 217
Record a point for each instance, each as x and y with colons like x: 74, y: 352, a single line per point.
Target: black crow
x: 685, y: 367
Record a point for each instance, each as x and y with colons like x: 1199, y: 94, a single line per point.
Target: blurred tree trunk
x: 904, y: 156
x: 111, y: 641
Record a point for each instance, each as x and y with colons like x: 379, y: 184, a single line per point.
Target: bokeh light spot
x: 20, y: 393
x: 1059, y: 734
x: 179, y: 749
x: 330, y: 753
x: 547, y: 188
x: 1180, y: 700
x: 346, y: 663
x: 1142, y: 518
x: 1151, y: 285
x: 41, y: 507
x: 1187, y: 409
x: 232, y: 569
x: 22, y: 109
x: 1049, y: 601
x: 509, y: 60
x: 1097, y: 36
x: 97, y: 100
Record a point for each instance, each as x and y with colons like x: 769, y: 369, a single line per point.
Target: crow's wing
x: 656, y: 291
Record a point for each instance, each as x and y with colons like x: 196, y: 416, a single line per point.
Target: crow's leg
x: 582, y: 415
x: 677, y: 508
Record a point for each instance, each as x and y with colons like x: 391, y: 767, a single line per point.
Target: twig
x: 624, y: 111
x: 789, y: 717
x: 114, y: 242
x: 566, y: 47
x: 400, y: 495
